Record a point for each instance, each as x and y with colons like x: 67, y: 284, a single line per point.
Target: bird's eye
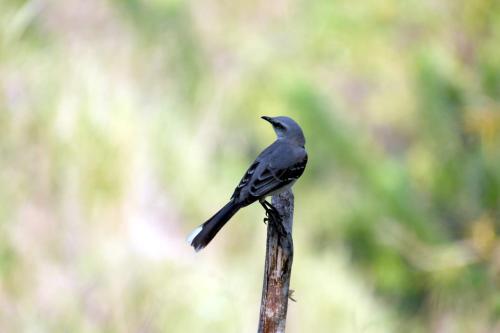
x: 278, y: 125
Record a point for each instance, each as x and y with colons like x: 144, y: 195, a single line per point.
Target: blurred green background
x: 125, y: 124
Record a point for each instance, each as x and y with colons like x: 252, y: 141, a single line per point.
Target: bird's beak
x: 269, y: 119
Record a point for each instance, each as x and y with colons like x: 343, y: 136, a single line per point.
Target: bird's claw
x: 273, y: 216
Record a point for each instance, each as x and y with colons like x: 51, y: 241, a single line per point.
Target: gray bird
x: 273, y: 171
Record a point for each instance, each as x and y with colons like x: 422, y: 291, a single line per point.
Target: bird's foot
x: 271, y: 212
x: 273, y: 216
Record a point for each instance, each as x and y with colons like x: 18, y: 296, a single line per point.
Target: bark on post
x: 278, y: 267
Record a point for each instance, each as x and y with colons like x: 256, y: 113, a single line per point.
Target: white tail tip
x: 193, y: 234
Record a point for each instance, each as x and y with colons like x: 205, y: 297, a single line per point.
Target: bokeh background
x: 125, y: 124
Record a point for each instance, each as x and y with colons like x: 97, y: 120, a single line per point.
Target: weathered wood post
x: 278, y: 267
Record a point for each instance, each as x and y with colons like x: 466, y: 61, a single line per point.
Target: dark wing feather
x: 266, y: 181
x: 295, y: 171
x: 272, y: 179
x: 246, y: 179
x: 276, y: 167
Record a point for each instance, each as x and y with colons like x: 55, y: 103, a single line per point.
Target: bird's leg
x: 270, y: 210
x: 263, y: 203
x: 276, y: 219
x: 272, y: 214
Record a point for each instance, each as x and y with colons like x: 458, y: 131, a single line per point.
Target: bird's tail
x: 201, y: 236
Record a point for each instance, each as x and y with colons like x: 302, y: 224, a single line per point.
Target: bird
x: 275, y: 170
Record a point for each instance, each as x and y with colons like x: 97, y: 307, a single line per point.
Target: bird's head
x: 287, y: 129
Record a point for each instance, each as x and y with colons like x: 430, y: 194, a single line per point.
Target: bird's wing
x: 246, y: 178
x: 250, y: 173
x: 276, y: 175
x: 277, y: 166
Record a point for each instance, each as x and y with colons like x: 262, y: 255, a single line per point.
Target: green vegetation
x: 113, y: 116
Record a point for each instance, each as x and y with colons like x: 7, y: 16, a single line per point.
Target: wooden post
x: 278, y: 267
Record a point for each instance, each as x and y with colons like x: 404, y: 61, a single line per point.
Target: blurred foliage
x: 124, y: 124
